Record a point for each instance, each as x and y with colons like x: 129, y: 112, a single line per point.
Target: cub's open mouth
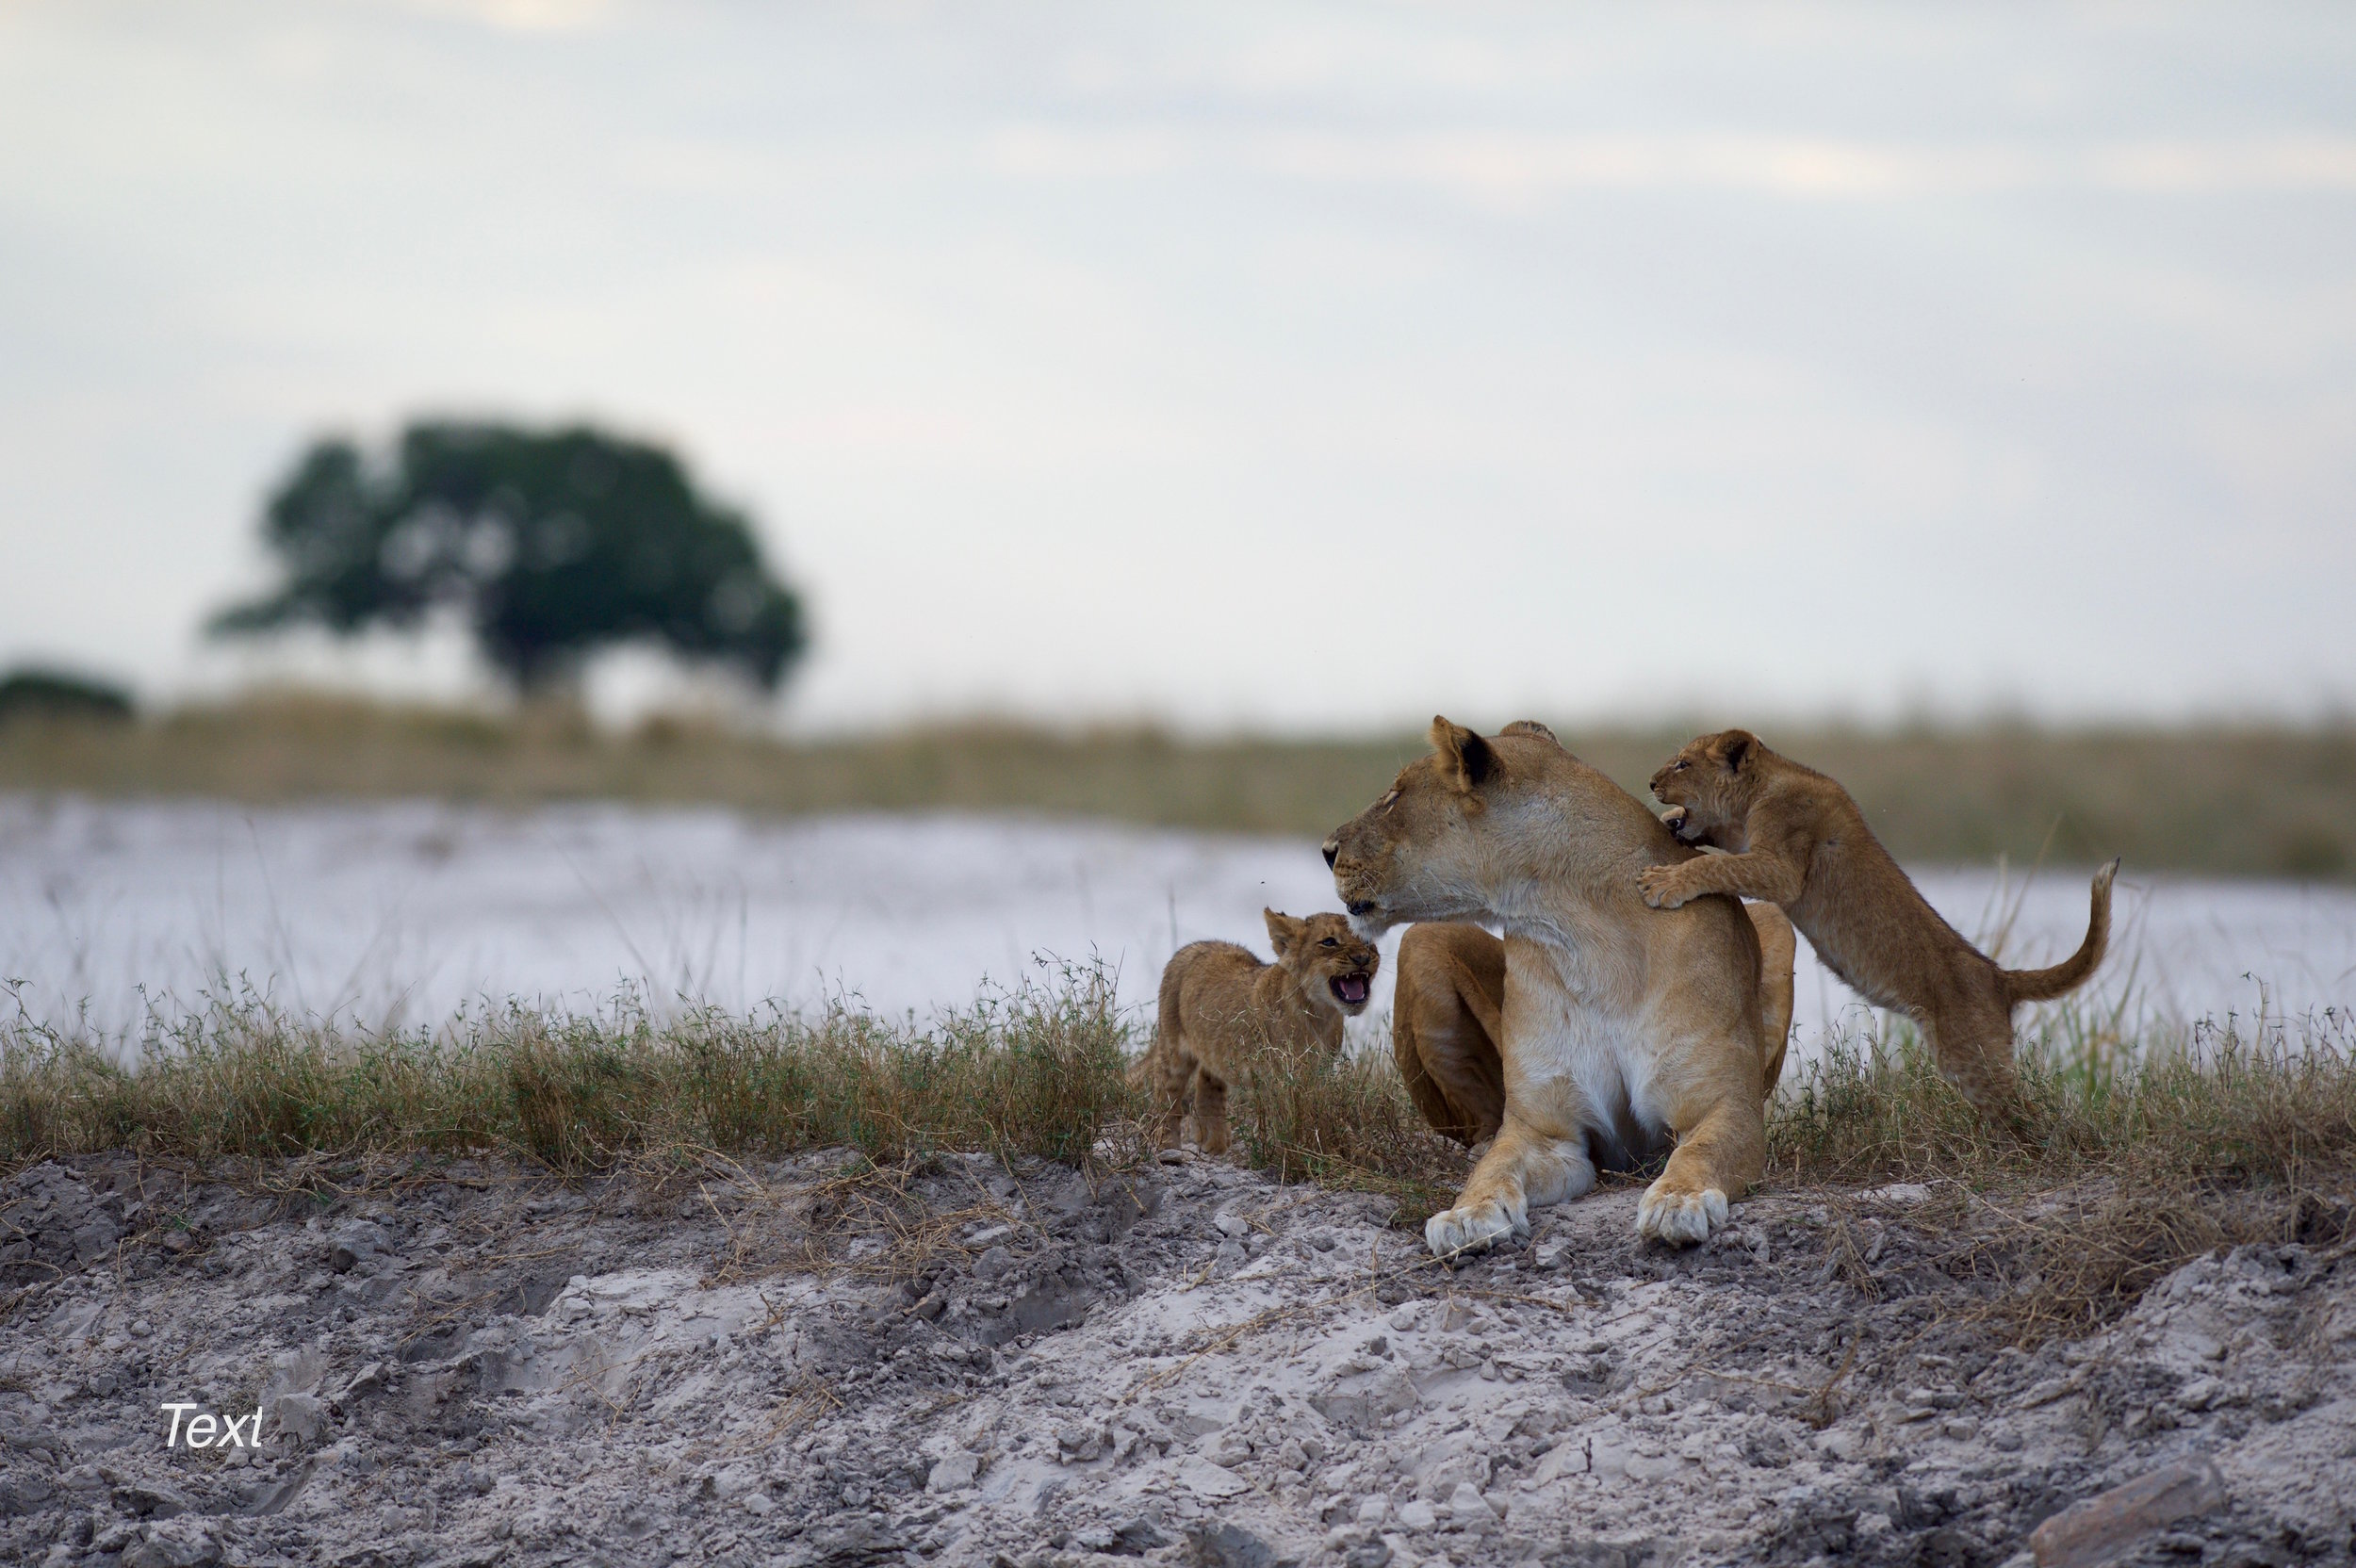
x: 1351, y: 989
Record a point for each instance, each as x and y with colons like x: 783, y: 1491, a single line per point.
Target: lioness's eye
x: 1331, y: 941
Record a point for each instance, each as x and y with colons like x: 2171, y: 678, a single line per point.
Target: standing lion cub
x: 1222, y: 1007
x: 1797, y: 840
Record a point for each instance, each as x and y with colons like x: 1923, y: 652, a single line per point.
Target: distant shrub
x: 55, y: 694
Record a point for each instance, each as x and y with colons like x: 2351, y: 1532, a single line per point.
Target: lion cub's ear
x: 1532, y: 729
x: 1465, y: 757
x: 1282, y: 931
x: 1737, y: 749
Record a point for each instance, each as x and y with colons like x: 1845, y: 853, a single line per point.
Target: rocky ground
x: 811, y: 1362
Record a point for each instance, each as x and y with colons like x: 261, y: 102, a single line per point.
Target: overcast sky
x: 1272, y: 363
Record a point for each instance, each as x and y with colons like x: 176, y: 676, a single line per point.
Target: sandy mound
x: 805, y: 1365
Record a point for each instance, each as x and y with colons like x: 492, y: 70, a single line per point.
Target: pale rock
x: 952, y: 1473
x: 301, y: 1416
x: 1841, y: 1444
x: 1205, y: 1480
x: 2104, y: 1526
x: 176, y: 1543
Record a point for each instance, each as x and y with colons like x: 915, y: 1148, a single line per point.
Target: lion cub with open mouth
x: 1222, y: 1009
x: 1797, y: 840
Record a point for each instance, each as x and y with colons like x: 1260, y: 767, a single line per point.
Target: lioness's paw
x: 1658, y: 885
x: 1679, y: 1218
x: 1467, y: 1230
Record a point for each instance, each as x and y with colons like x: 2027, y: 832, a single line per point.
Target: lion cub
x: 1797, y: 840
x: 1221, y: 1007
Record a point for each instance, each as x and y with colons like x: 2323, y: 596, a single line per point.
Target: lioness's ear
x: 1465, y: 757
x: 1282, y: 931
x: 1532, y: 729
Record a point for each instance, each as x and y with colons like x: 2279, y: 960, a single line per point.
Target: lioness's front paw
x: 1660, y: 887
x: 1679, y: 1218
x: 1467, y: 1230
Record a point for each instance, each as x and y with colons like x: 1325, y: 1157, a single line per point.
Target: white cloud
x: 1518, y: 167
x: 1120, y: 359
x: 515, y: 16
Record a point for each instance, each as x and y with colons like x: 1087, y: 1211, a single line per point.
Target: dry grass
x: 1347, y: 1124
x: 2230, y: 1103
x: 2149, y: 1153
x: 1036, y: 1073
x: 2243, y: 802
x: 1041, y: 1072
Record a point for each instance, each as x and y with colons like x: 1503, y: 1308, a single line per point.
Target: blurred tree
x: 60, y: 694
x: 551, y: 544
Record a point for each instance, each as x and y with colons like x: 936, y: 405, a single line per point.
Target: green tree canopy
x: 551, y: 544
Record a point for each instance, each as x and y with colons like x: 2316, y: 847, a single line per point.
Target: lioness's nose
x: 1333, y: 849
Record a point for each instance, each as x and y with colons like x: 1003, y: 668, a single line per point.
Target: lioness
x: 1618, y: 1032
x: 1800, y: 842
x: 1221, y: 1007
x: 1446, y: 1019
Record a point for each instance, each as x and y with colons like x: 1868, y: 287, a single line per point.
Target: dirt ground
x: 813, y: 1363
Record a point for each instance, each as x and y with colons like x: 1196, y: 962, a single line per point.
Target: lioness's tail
x: 1778, y: 946
x: 2043, y: 985
x: 1165, y: 1030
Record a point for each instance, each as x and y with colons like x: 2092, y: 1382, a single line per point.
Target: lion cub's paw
x: 1471, y: 1229
x: 1679, y: 1218
x: 1660, y: 887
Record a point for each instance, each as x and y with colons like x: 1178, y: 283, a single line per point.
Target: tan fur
x: 1222, y: 1009
x: 1448, y: 1016
x: 1797, y: 840
x: 1616, y: 1037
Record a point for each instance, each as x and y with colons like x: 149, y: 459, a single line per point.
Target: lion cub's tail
x: 2043, y: 985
